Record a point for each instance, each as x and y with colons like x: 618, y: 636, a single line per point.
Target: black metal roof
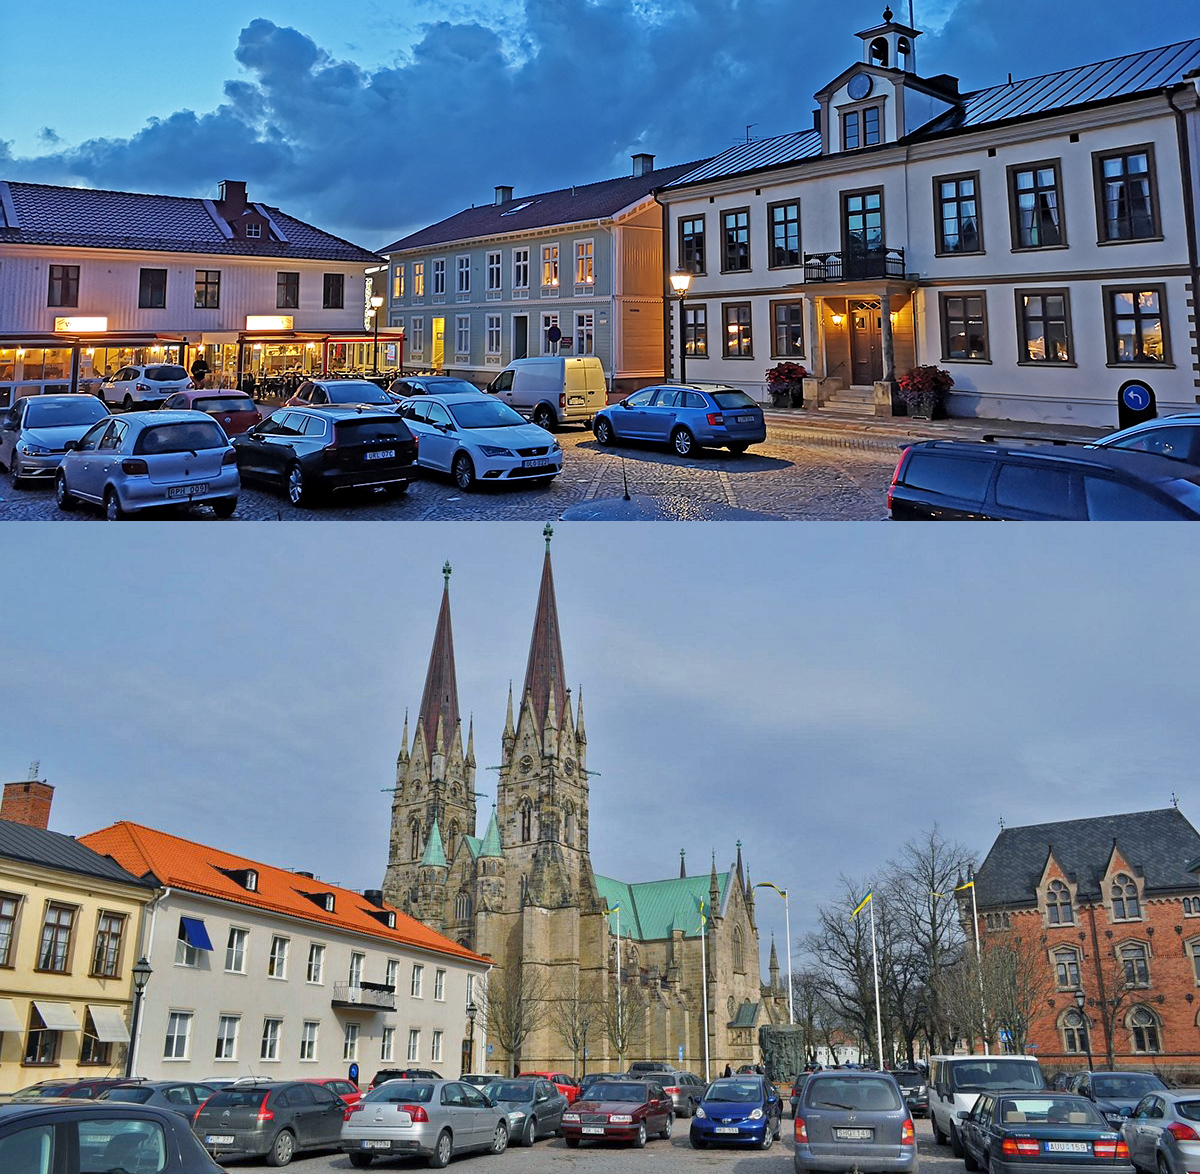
x: 1161, y: 843
x: 49, y: 849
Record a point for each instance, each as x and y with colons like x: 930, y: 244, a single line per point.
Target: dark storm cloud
x: 562, y: 92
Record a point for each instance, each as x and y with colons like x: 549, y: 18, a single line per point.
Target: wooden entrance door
x: 520, y: 345
x: 439, y: 343
x: 866, y: 348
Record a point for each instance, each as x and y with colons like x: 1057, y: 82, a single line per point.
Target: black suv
x: 948, y: 480
x: 403, y: 1074
x: 314, y: 451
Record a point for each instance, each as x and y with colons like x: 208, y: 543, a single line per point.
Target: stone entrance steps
x: 859, y: 401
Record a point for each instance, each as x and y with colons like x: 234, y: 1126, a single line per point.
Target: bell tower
x: 434, y: 795
x: 890, y: 45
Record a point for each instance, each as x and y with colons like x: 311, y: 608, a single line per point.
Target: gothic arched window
x: 1058, y: 904
x: 1066, y: 968
x: 414, y: 839
x: 569, y: 824
x: 1125, y: 904
x: 1144, y: 1029
x: 526, y: 812
x: 1074, y: 1031
x: 462, y: 907
x: 879, y: 52
x: 739, y: 953
x: 1135, y: 963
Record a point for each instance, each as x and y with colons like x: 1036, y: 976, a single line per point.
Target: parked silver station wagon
x: 853, y: 1121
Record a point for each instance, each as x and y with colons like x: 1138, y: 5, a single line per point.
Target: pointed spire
x: 682, y: 863
x: 740, y: 874
x: 774, y: 962
x: 403, y: 755
x: 579, y: 730
x: 435, y: 852
x: 714, y: 889
x: 544, y: 674
x: 439, y: 702
x: 509, y: 732
x: 471, y: 740
x: 491, y: 845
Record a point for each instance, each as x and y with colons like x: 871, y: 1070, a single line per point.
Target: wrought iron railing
x: 367, y: 994
x: 854, y: 266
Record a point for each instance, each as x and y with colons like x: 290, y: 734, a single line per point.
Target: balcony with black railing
x: 364, y: 996
x: 872, y: 265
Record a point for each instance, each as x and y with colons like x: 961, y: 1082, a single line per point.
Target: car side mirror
x: 71, y: 445
x: 963, y: 1114
x: 625, y: 403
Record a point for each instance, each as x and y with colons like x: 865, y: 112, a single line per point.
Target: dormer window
x: 1058, y: 904
x: 250, y: 880
x: 254, y: 230
x: 1125, y: 903
x: 860, y: 128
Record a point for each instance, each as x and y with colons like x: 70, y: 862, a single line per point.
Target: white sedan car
x: 478, y: 439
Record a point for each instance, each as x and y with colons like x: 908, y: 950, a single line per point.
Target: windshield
x: 224, y: 403
x: 487, y: 413
x: 40, y: 1090
x: 181, y: 437
x: 166, y: 374
x: 909, y: 1079
x: 507, y: 1091
x: 238, y: 1098
x: 357, y: 392
x: 402, y: 1092
x: 452, y: 387
x: 979, y: 1075
x: 136, y: 1096
x: 58, y: 413
x: 1129, y: 1088
x: 610, y: 1090
x: 1050, y: 1111
x: 735, y: 1091
x: 733, y: 399
x: 867, y: 1094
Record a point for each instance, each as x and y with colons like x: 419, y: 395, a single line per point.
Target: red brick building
x: 1111, y: 906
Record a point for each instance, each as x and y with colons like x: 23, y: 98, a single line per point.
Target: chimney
x: 503, y: 195
x: 643, y: 164
x: 231, y: 202
x: 300, y: 872
x: 374, y: 897
x: 27, y: 803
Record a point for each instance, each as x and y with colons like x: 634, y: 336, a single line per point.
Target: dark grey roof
x: 18, y: 841
x: 1105, y: 81
x: 1161, y: 843
x: 90, y: 218
x: 593, y: 201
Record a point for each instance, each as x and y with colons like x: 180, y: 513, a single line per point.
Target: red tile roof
x: 197, y: 868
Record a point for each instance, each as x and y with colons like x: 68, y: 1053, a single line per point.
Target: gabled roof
x: 197, y: 868
x: 1116, y: 79
x: 30, y: 845
x: 91, y: 218
x: 651, y: 910
x: 573, y: 205
x: 1161, y: 843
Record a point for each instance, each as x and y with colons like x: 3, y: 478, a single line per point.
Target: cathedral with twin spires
x: 524, y: 892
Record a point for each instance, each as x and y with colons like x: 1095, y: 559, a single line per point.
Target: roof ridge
x: 1092, y: 818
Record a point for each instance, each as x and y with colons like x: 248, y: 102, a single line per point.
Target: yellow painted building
x: 70, y: 925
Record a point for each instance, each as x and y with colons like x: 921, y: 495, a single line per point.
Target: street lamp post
x: 472, y: 1011
x: 141, y: 976
x: 681, y: 282
x: 787, y: 929
x: 1080, y: 1003
x: 376, y: 302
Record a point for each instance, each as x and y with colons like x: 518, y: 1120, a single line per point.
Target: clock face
x: 860, y: 86
x: 526, y: 763
x: 569, y: 766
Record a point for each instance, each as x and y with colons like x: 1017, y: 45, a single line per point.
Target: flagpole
x: 620, y: 1016
x: 987, y: 1050
x: 787, y: 929
x: 704, y: 984
x: 875, y: 968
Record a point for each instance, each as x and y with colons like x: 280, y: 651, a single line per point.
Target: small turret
x: 470, y: 760
x: 580, y: 734
x: 682, y: 863
x: 714, y: 890
x: 773, y: 967
x: 402, y: 757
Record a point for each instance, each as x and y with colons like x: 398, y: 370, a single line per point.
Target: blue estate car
x: 688, y: 417
x: 739, y: 1109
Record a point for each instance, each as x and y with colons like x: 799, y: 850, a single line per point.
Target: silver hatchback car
x: 1163, y: 1131
x: 35, y: 431
x: 853, y: 1121
x: 431, y: 1118
x: 130, y: 463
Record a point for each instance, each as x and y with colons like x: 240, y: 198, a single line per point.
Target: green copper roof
x: 650, y: 910
x: 490, y: 846
x: 473, y: 843
x: 435, y: 853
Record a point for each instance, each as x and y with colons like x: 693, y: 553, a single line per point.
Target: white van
x: 955, y: 1083
x: 553, y: 390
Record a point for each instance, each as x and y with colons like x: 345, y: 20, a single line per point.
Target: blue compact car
x: 744, y: 1110
x: 688, y: 417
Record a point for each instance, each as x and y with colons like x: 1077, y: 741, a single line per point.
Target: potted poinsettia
x: 924, y: 390
x: 785, y: 382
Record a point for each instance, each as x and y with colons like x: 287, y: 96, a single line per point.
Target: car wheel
x: 127, y: 402
x: 398, y: 490
x: 112, y: 506
x: 544, y: 417
x: 500, y: 1139
x: 297, y: 490
x: 572, y: 1142
x: 666, y: 1129
x: 529, y: 1133
x: 639, y: 1142
x: 14, y: 477
x: 969, y: 1160
x: 938, y: 1136
x: 224, y: 509
x: 1164, y: 1167
x: 464, y: 472
x: 604, y: 432
x: 62, y: 495
x: 768, y: 1137
x: 442, y: 1149
x: 698, y: 1143
x: 360, y: 1161
x: 956, y: 1146
x: 283, y: 1150
x: 683, y: 442
x: 738, y: 449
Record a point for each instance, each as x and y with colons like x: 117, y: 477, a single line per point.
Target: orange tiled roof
x: 184, y: 864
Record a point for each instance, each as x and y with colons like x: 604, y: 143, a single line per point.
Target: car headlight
x: 556, y: 447
x: 756, y: 1115
x: 700, y: 1111
x: 517, y: 1115
x: 621, y: 1119
x: 33, y: 450
x: 570, y: 1117
x: 490, y: 450
x: 923, y: 1091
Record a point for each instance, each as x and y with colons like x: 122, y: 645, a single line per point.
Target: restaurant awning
x: 109, y: 1023
x: 57, y: 1016
x: 9, y: 1021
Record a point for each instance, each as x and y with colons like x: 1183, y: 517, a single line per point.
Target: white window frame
x: 470, y: 988
x: 494, y: 276
x: 387, y: 1044
x: 227, y: 1042
x: 418, y: 337
x: 355, y: 972
x: 585, y: 332
x: 397, y: 282
x: 309, y: 1040
x: 414, y: 1044
x: 521, y: 273
x: 177, y: 1044
x: 549, y: 269
x: 392, y: 974
x: 277, y: 959
x: 418, y: 283
x: 436, y: 1055
x: 350, y: 1043
x: 418, y: 975
x: 315, y: 970
x: 439, y: 277
x: 462, y: 278
x: 493, y: 334
x: 243, y: 939
x: 439, y: 985
x: 462, y: 335
x: 185, y: 953
x: 548, y: 320
x: 272, y: 1039
x: 585, y: 264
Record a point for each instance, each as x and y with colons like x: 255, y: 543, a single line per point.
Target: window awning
x: 9, y: 1021
x: 192, y: 930
x: 109, y: 1023
x: 57, y: 1016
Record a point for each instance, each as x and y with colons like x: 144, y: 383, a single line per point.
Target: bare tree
x: 625, y: 1018
x: 1119, y: 982
x: 577, y: 1014
x: 514, y: 1003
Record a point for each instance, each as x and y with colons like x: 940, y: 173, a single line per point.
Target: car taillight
x: 1181, y: 1132
x: 229, y: 457
x: 1115, y: 1149
x: 716, y: 419
x: 1020, y: 1147
x: 143, y: 387
x: 896, y: 476
x: 799, y: 1130
x: 349, y: 1111
x: 562, y: 400
x: 196, y: 1114
x: 671, y: 1089
x: 416, y: 1113
x: 908, y: 1135
x: 135, y: 467
x: 265, y: 1114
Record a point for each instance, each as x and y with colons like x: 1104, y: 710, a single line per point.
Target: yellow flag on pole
x: 862, y: 904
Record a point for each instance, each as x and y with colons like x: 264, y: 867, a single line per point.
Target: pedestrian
x: 248, y: 384
x: 760, y: 1070
x: 728, y: 1070
x: 199, y: 371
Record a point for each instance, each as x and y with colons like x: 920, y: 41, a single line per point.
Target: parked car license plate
x: 745, y: 419
x: 853, y: 1134
x: 726, y: 1129
x: 538, y: 463
x: 1067, y: 1147
x: 219, y: 1139
x: 376, y: 1145
x: 593, y: 1129
x: 384, y: 455
x: 187, y: 490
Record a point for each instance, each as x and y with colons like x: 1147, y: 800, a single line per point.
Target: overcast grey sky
x: 821, y: 692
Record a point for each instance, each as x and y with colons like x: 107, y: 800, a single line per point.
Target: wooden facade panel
x: 642, y: 337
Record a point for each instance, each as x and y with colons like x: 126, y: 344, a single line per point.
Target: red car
x: 235, y: 411
x: 346, y: 1089
x: 620, y: 1110
x: 561, y: 1081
